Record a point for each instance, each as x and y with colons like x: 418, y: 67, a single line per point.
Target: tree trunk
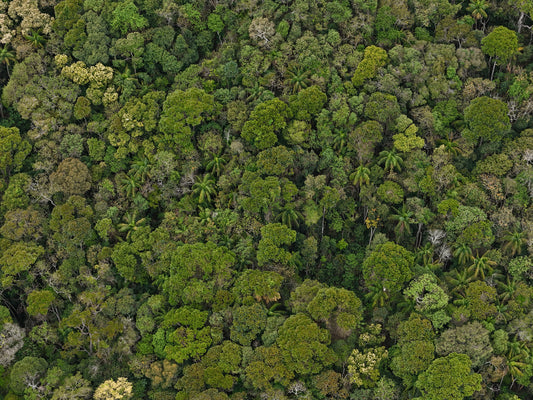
x: 493, y: 69
x: 323, y: 218
x: 419, y: 235
x: 520, y: 22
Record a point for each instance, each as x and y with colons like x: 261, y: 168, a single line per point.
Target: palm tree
x: 130, y: 224
x: 276, y: 310
x: 391, y: 160
x: 204, y: 189
x: 6, y: 57
x: 130, y: 184
x: 377, y: 296
x: 404, y: 218
x: 463, y: 253
x: 507, y: 289
x: 339, y: 140
x: 255, y: 92
x: 480, y: 265
x: 289, y: 216
x: 360, y: 176
x: 501, y: 312
x: 477, y: 9
x: 424, y: 255
x: 458, y: 280
x: 205, y: 216
x: 514, y: 242
x: 517, y: 355
x: 215, y: 164
x: 450, y: 145
x: 297, y: 79
x: 36, y: 39
x: 141, y: 169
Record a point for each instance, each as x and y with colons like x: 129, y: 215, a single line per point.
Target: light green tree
x: 501, y: 44
x: 449, y: 378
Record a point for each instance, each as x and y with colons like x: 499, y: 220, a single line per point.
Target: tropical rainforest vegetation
x: 266, y: 199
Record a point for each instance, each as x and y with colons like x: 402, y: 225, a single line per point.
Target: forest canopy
x: 249, y: 199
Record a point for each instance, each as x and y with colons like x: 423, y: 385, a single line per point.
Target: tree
x: 382, y: 107
x: 390, y: 265
x: 269, y: 249
x: 70, y: 226
x: 262, y: 29
x: 374, y: 58
x: 130, y: 224
x: 73, y: 388
x: 26, y: 373
x: 18, y: 258
x: 364, y: 138
x: 203, y: 189
x: 196, y: 272
x: 363, y: 367
x: 413, y: 357
x: 266, y: 366
x: 182, y: 111
x: 406, y: 140
x: 480, y: 265
x: 265, y: 121
x: 360, y: 176
x: 514, y: 242
x: 256, y: 285
x: 13, y: 150
x: 427, y: 294
x: 525, y: 8
x: 90, y: 331
x: 391, y: 160
x: 6, y: 57
x: 405, y: 219
x: 126, y: 17
x: 72, y: 177
x: 449, y: 378
x: 189, y: 340
x: 390, y: 192
x: 338, y: 308
x: 304, y: 345
x: 131, y: 48
x: 502, y: 44
x: 39, y: 302
x: 487, y: 119
x: 471, y: 339
x: 276, y: 161
x: 121, y: 389
x: 11, y: 341
x: 248, y: 322
x: 126, y: 260
x: 481, y: 298
x: 23, y: 224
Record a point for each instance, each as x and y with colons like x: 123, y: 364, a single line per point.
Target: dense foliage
x: 291, y: 199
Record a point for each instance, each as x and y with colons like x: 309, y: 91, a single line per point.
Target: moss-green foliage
x: 266, y: 199
x: 374, y: 58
